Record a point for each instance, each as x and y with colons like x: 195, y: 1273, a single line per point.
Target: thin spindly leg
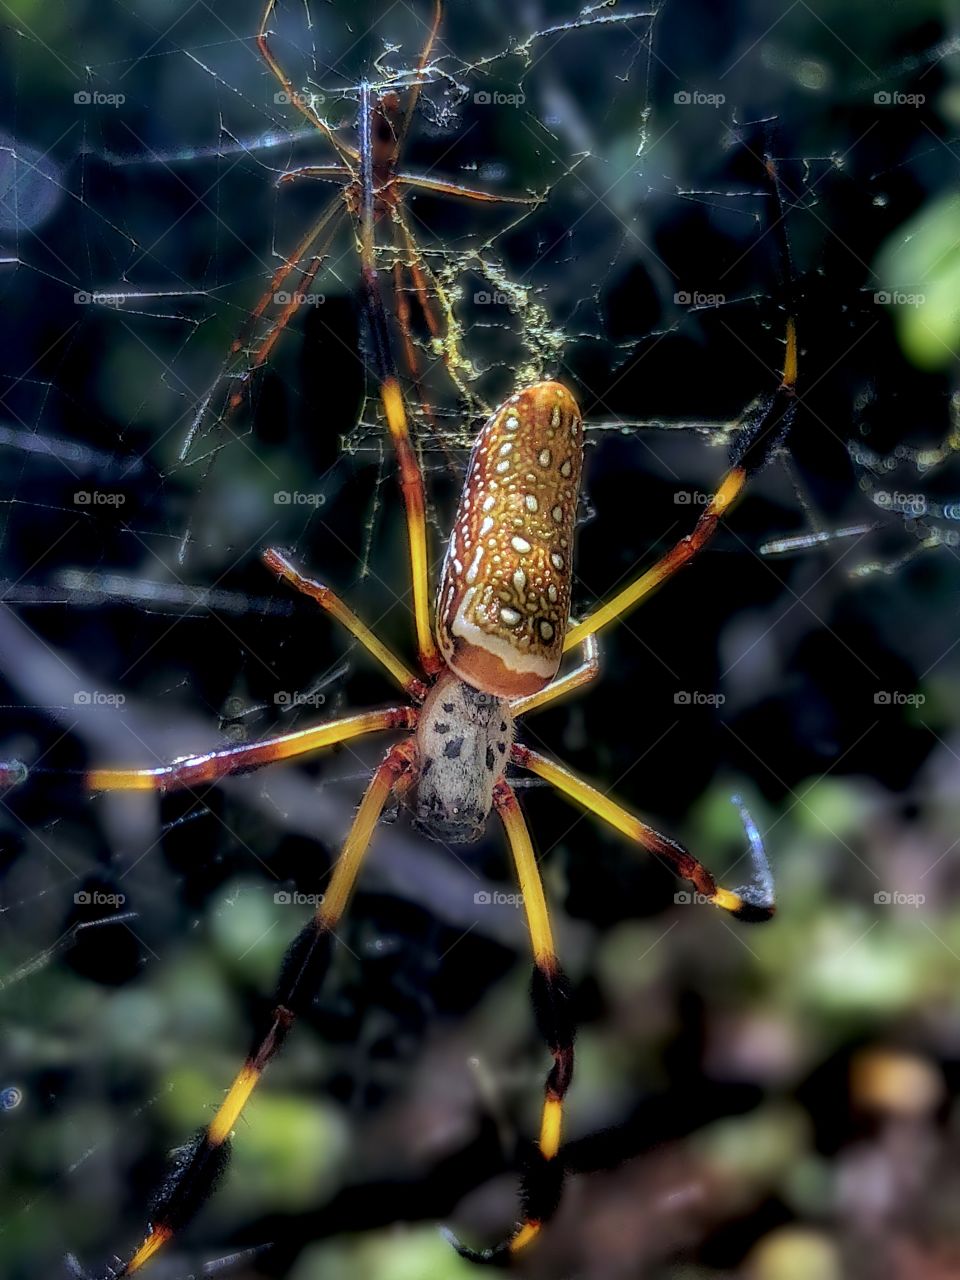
x: 446, y: 188
x: 585, y: 671
x: 298, y: 100
x: 759, y: 437
x: 411, y: 477
x: 752, y: 901
x: 332, y: 603
x: 425, y: 283
x: 418, y: 82
x: 322, y: 172
x: 199, y: 1166
x: 262, y: 351
x: 265, y: 345
x: 411, y: 359
x: 198, y: 770
x: 285, y: 270
x: 543, y: 1178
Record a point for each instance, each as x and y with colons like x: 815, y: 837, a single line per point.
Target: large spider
x: 501, y: 630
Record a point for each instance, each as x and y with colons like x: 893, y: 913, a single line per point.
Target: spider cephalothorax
x: 463, y: 743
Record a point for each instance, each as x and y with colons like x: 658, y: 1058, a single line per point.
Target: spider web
x: 142, y: 219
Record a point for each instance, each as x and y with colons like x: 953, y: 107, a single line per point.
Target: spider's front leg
x: 199, y: 1165
x: 760, y: 436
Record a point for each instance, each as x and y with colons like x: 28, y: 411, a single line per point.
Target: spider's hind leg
x: 197, y: 1167
x: 543, y: 1174
x: 751, y: 902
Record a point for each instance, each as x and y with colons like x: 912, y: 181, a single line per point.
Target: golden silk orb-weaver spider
x: 501, y: 628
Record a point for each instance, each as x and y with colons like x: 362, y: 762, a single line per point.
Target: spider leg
x: 322, y: 172
x: 586, y: 670
x: 550, y: 990
x: 757, y: 441
x: 411, y: 359
x: 411, y: 477
x: 328, y: 600
x: 418, y: 82
x: 446, y: 188
x: 307, y: 276
x: 258, y: 356
x: 402, y: 306
x: 448, y: 333
x: 199, y: 1166
x: 752, y: 902
x: 224, y: 762
x: 345, y: 152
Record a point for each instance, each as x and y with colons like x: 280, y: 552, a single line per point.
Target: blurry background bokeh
x: 772, y: 1103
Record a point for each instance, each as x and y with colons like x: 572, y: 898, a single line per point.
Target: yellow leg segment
x: 303, y: 971
x: 666, y: 567
x: 762, y: 436
x: 411, y: 485
x: 753, y: 902
x: 587, y: 670
x: 193, y: 771
x: 331, y: 602
x: 543, y: 1178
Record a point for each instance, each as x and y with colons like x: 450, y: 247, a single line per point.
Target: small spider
x: 372, y: 187
x: 501, y: 629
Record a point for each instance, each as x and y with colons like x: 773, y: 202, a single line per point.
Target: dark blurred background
x: 770, y: 1103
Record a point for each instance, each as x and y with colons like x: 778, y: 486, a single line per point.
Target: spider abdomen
x: 463, y: 742
x: 504, y: 596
